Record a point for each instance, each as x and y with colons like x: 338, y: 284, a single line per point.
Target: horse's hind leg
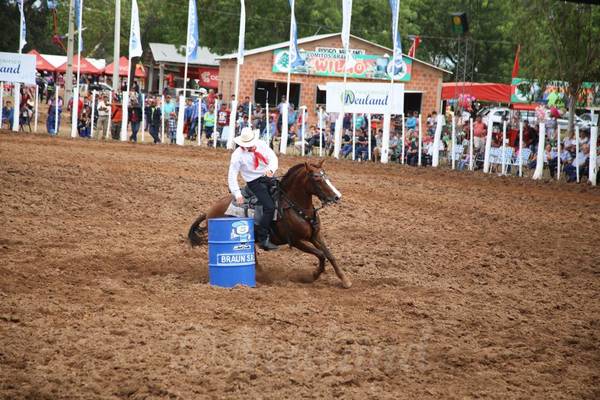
x: 319, y: 243
x: 307, y: 247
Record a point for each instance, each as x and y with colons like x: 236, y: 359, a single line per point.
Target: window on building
x: 273, y: 92
x: 321, y: 95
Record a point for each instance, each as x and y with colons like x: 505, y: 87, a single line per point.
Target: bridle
x: 312, y: 220
x: 325, y: 201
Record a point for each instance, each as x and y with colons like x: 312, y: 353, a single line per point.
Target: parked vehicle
x: 494, y: 114
x: 587, y: 117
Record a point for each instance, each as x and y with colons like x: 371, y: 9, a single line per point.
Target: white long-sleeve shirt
x: 242, y: 161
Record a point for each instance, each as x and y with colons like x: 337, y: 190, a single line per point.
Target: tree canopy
x: 547, y: 29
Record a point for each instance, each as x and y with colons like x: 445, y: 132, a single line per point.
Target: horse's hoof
x: 346, y: 284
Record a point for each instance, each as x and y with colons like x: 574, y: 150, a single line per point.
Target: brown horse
x: 298, y: 223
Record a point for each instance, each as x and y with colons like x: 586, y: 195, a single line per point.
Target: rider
x: 257, y: 163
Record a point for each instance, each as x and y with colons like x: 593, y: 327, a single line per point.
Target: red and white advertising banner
x: 207, y: 77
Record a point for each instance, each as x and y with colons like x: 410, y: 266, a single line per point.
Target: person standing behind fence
x: 172, y: 125
x: 103, y: 113
x: 209, y: 122
x: 222, y: 119
x: 479, y: 134
x: 168, y: 108
x: 135, y: 117
x: 116, y: 118
x: 153, y: 114
x: 51, y: 122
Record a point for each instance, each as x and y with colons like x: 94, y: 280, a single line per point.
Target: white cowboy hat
x: 247, y: 138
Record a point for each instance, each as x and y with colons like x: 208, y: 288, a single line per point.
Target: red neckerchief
x: 257, y: 157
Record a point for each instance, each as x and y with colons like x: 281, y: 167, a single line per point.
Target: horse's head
x: 320, y: 185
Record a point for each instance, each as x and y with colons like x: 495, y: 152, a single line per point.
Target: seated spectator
x: 412, y: 152
x: 377, y: 148
x: 581, y: 160
x: 565, y: 157
x: 346, y: 144
x: 362, y: 145
x: 8, y: 113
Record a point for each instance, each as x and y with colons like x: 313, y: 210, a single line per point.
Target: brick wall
x: 424, y: 79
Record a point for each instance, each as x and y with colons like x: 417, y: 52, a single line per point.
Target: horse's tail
x: 197, y: 234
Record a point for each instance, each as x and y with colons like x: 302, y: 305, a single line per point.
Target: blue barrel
x: 231, y: 252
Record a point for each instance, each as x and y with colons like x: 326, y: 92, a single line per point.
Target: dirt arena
x: 465, y: 286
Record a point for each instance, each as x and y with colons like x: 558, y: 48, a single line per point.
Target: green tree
x: 561, y: 41
x: 491, y: 45
x: 38, y: 32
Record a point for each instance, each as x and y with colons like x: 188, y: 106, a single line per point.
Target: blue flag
x: 78, y: 22
x: 295, y: 59
x: 191, y: 50
x: 52, y: 4
x: 397, y: 64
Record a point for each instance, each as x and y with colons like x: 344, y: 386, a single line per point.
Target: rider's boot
x: 267, y: 245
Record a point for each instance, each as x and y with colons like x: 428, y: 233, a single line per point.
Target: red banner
x: 207, y: 77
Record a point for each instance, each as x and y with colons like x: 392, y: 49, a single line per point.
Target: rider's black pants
x: 260, y: 187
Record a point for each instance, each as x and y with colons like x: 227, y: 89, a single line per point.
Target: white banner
x: 17, y: 68
x: 369, y: 98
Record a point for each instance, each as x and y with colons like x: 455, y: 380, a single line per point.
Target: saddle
x: 251, y: 207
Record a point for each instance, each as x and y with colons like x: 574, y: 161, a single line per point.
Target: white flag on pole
x: 346, y: 21
x: 135, y: 39
x: 23, y: 33
x: 242, y: 33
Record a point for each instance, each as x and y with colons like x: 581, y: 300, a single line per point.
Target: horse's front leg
x: 320, y: 244
x: 307, y: 247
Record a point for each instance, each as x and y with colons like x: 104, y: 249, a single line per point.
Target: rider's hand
x: 239, y: 200
x: 269, y: 173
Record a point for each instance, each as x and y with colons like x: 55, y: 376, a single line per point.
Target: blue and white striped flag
x: 191, y: 50
x: 78, y: 22
x: 295, y: 59
x: 397, y: 60
x: 135, y: 39
x: 23, y: 34
x: 242, y: 33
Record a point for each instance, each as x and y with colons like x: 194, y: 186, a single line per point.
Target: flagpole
x: 35, y: 124
x: 339, y: 125
x: 240, y: 61
x: 17, y: 87
x: 199, y: 123
x: 233, y: 114
x: 75, y: 108
x: 192, y: 33
x: 56, y: 107
x: 143, y: 117
x: 284, y: 116
x: 93, y: 113
x: 385, y: 138
x: 1, y: 101
x: 125, y: 103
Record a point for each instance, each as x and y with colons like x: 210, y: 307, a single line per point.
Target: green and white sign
x: 321, y: 63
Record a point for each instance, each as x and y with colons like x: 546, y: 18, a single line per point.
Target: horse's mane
x: 291, y: 173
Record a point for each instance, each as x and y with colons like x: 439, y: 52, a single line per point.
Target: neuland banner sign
x: 17, y: 68
x: 369, y: 98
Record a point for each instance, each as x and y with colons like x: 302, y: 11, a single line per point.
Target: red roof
x: 123, y: 65
x: 86, y: 67
x: 41, y: 64
x: 497, y: 92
